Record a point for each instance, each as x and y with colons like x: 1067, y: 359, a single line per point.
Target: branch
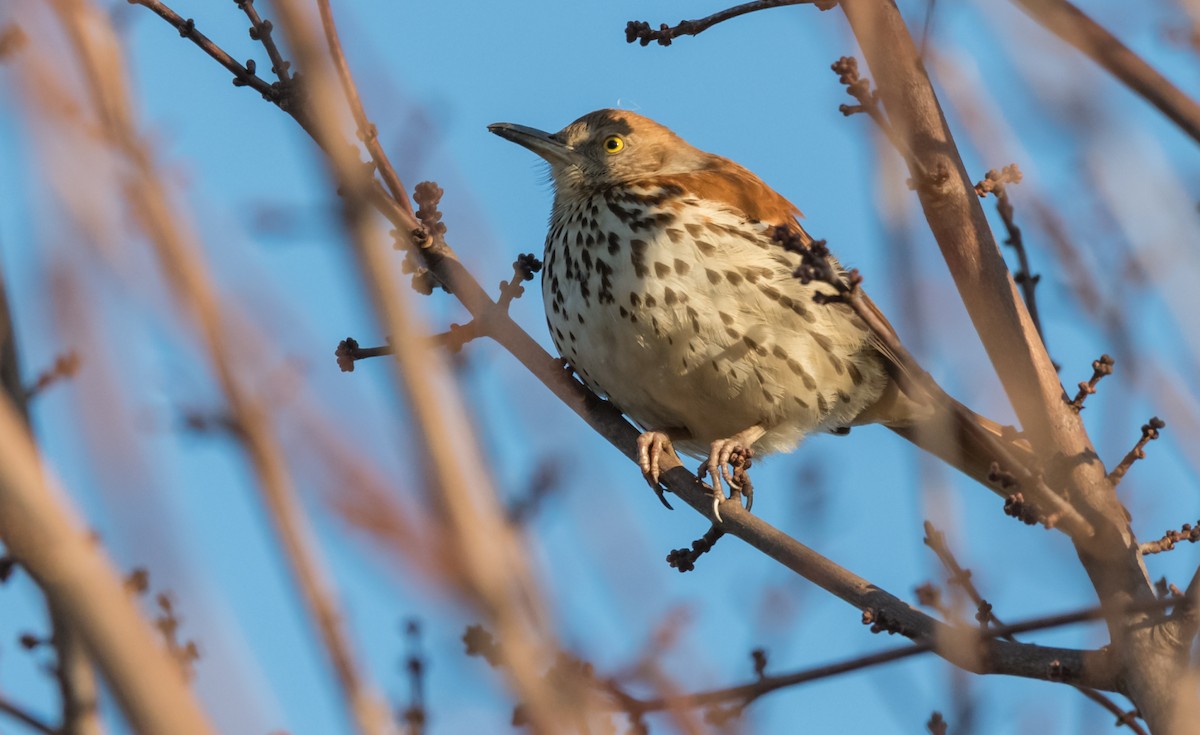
x: 936, y: 540
x: 27, y: 719
x: 1187, y: 532
x: 1149, y: 662
x: 1071, y: 25
x: 1150, y: 432
x: 367, y: 132
x: 996, y: 183
x: 641, y: 32
x: 190, y: 282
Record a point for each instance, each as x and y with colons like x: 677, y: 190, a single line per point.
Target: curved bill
x: 540, y: 142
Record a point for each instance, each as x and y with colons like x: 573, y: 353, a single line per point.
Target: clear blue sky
x: 757, y: 90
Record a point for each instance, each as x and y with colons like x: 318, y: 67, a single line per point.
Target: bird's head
x: 606, y: 148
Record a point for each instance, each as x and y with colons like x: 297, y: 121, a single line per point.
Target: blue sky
x: 757, y: 90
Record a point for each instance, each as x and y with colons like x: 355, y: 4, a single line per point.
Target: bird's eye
x: 613, y: 144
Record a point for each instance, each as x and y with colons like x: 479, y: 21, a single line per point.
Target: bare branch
x: 996, y: 182
x: 1073, y: 26
x: 1100, y: 369
x: 641, y: 32
x: 1150, y: 432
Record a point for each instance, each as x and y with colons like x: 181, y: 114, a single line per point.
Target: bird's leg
x: 655, y: 456
x: 717, y: 466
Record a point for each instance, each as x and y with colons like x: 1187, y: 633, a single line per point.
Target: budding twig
x: 65, y: 366
x: 640, y: 31
x: 1100, y: 368
x: 685, y: 559
x: 859, y: 88
x: 1150, y: 432
x: 414, y: 715
x: 996, y: 183
x: 1187, y: 532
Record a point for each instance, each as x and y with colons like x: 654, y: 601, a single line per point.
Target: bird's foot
x: 728, y: 460
x: 655, y: 456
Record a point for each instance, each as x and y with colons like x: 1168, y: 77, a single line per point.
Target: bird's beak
x: 542, y: 143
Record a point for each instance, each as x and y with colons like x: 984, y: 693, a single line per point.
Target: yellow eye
x: 614, y: 144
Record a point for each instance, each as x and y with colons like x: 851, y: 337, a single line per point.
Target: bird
x: 670, y: 287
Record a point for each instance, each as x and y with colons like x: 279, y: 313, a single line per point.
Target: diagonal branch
x: 640, y: 31
x: 1072, y: 25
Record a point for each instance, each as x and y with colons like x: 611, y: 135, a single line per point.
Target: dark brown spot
x: 669, y: 297
x: 682, y: 267
x: 836, y: 362
x: 650, y: 301
x: 855, y: 375
x: 635, y: 300
x: 800, y: 402
x: 661, y: 270
x: 637, y: 256
x: 705, y: 247
x: 771, y: 292
x: 733, y: 333
x: 822, y: 404
x: 728, y: 320
x: 824, y: 342
x: 675, y: 235
x: 799, y: 370
x: 694, y: 230
x: 614, y: 243
x: 843, y: 396
x: 695, y: 317
x: 713, y: 276
x: 779, y: 352
x: 754, y: 345
x: 734, y: 278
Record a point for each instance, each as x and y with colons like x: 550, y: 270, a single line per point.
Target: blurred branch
x: 488, y: 558
x: 185, y: 271
x: 65, y: 366
x: 73, y: 671
x: 1073, y: 26
x: 367, y: 132
x: 27, y: 719
x: 641, y: 32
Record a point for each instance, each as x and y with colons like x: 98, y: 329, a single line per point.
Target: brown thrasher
x: 668, y: 291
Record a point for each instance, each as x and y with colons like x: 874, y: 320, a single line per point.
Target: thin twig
x: 367, y: 132
x: 1188, y: 532
x: 1101, y: 368
x: 242, y: 75
x: 178, y: 257
x: 65, y: 366
x: 996, y: 183
x: 641, y: 32
x: 260, y: 30
x: 26, y: 718
x: 1150, y: 432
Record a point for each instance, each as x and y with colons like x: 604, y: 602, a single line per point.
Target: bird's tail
x: 947, y: 429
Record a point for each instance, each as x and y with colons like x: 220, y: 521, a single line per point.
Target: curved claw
x: 651, y: 446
